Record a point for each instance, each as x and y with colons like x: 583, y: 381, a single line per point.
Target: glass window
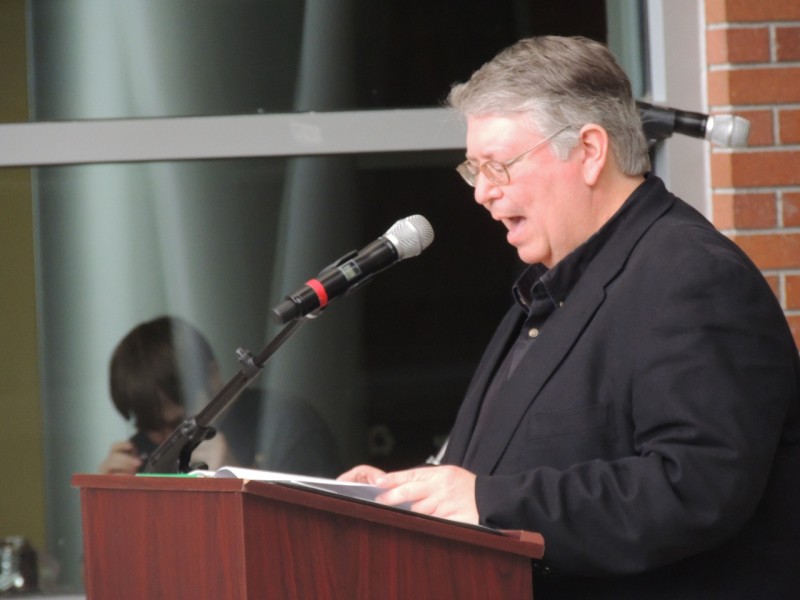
x: 94, y: 59
x: 219, y: 242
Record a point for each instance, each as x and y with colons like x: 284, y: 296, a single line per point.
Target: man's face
x: 541, y: 206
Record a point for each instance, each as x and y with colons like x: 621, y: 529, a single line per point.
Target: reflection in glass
x: 220, y: 242
x: 96, y: 59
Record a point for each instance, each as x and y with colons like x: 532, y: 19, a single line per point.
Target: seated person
x: 156, y: 370
x: 164, y: 365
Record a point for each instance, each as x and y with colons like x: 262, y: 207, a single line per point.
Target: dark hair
x: 159, y: 361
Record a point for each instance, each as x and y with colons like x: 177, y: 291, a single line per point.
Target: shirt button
x: 533, y: 332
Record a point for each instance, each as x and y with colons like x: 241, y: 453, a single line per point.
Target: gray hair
x: 555, y: 81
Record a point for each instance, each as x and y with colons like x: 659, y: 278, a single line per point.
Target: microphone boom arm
x: 174, y: 454
x: 659, y: 123
x: 406, y: 238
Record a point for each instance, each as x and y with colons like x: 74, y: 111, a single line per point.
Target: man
x: 640, y: 403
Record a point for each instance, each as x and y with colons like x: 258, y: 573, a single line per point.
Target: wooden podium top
x: 176, y: 537
x: 522, y: 543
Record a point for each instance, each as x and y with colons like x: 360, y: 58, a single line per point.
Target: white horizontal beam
x: 190, y: 138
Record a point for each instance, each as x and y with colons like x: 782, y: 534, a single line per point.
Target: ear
x: 593, y: 141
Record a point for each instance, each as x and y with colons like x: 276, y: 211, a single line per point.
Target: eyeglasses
x: 495, y: 170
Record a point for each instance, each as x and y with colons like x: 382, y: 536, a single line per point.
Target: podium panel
x: 181, y: 537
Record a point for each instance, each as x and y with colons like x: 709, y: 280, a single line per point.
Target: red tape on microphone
x: 319, y: 290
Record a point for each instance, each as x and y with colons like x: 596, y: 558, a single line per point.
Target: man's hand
x: 362, y: 474
x: 447, y: 491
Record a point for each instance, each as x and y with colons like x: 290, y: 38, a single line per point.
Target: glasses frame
x: 470, y: 173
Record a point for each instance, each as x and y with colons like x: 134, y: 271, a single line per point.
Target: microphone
x: 722, y: 130
x: 405, y: 239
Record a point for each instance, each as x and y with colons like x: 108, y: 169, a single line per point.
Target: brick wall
x: 753, y: 53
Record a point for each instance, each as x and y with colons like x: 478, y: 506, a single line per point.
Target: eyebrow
x: 489, y: 156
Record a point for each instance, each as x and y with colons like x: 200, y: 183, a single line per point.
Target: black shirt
x: 540, y: 291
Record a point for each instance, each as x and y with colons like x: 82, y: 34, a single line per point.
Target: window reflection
x: 94, y: 59
x: 218, y: 243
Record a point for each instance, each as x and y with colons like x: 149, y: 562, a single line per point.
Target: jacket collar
x: 643, y: 208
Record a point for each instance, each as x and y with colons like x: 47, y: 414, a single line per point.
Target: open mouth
x: 514, y: 225
x: 513, y: 222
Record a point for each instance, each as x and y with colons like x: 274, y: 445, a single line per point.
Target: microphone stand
x: 174, y: 453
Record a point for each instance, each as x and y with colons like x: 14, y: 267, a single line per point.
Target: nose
x: 486, y: 191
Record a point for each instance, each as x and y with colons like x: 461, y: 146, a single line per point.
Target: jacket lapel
x: 470, y: 407
x: 519, y: 392
x: 482, y: 454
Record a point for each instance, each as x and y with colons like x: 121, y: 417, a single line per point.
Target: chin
x: 529, y: 257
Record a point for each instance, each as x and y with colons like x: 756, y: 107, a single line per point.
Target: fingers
x: 408, y: 486
x: 402, y: 477
x: 404, y: 493
x: 446, y: 492
x: 121, y: 460
x: 123, y: 446
x: 362, y: 474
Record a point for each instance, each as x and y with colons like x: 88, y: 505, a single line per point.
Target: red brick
x: 715, y: 11
x: 754, y: 86
x: 761, y: 130
x: 789, y: 126
x: 737, y: 45
x: 722, y: 211
x: 716, y: 46
x: 773, y: 250
x: 793, y: 292
x: 755, y: 169
x: 748, y: 11
x: 787, y: 43
x: 774, y: 283
x: 791, y: 209
x: 718, y: 87
x: 745, y: 211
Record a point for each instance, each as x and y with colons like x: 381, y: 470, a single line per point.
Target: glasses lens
x: 496, y: 172
x: 468, y: 172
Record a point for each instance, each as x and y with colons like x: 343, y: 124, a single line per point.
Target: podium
x: 215, y: 538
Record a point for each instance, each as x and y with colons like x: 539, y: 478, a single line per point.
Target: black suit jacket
x: 651, y: 433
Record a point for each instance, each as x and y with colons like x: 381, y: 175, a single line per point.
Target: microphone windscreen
x: 727, y: 130
x: 410, y: 236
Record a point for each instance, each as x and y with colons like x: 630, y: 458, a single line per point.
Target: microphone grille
x: 410, y: 236
x: 727, y: 130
